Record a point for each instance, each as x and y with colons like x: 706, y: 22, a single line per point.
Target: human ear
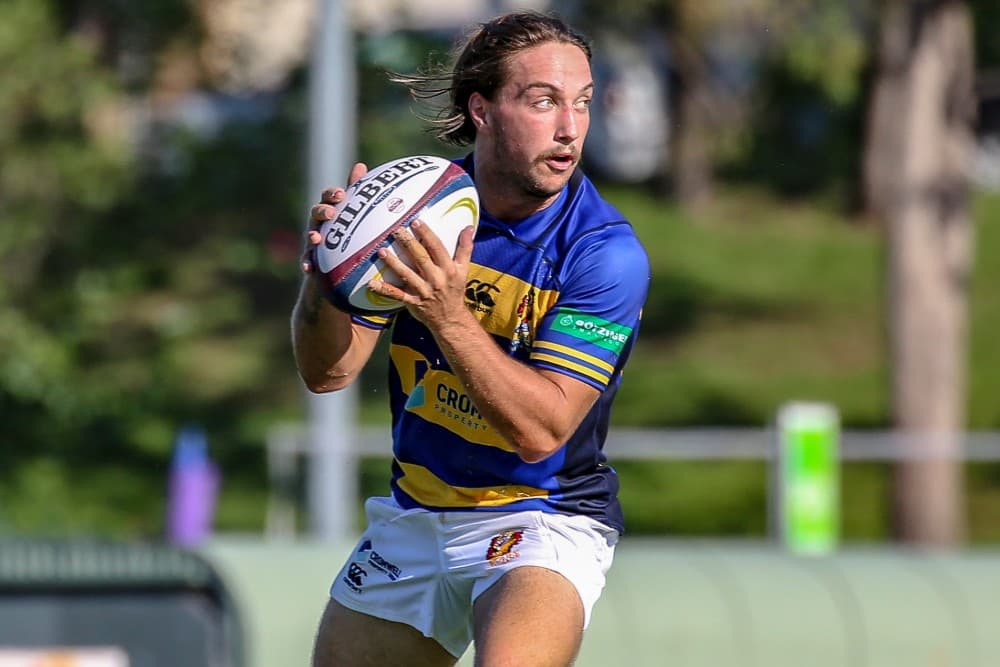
x: 477, y: 110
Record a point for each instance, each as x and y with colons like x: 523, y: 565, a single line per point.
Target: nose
x: 568, y: 127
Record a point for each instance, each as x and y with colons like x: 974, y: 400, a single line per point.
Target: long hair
x: 480, y: 66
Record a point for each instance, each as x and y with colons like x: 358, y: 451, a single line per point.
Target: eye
x: 545, y: 103
x: 584, y: 103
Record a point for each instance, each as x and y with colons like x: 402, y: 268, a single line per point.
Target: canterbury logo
x: 479, y: 295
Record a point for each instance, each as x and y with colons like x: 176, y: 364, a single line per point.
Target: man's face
x: 539, y: 119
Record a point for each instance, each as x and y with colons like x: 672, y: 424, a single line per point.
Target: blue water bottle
x: 193, y: 488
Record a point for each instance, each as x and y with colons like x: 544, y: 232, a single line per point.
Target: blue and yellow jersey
x: 562, y: 290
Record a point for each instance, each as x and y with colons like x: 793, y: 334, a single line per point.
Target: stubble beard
x: 524, y: 181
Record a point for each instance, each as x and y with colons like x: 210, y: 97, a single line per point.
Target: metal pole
x: 332, y: 471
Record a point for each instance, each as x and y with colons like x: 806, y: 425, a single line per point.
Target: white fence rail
x: 288, y: 450
x: 701, y: 443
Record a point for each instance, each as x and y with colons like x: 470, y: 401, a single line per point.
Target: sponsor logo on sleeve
x: 600, y: 332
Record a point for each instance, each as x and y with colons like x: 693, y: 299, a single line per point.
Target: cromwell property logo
x: 602, y: 333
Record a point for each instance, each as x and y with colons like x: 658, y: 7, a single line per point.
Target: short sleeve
x: 590, y: 330
x: 378, y: 322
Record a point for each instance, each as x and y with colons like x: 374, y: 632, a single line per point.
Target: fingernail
x: 417, y: 224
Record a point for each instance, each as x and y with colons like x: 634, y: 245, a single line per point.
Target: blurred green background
x: 152, y: 200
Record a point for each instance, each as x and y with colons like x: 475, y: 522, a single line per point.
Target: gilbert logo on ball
x: 391, y: 196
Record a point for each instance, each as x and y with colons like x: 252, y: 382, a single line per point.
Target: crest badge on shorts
x: 501, y: 549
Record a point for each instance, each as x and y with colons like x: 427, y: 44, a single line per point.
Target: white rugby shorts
x: 426, y: 568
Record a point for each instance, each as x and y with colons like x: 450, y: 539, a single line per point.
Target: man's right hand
x: 326, y: 210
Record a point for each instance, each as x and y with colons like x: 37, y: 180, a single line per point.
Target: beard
x: 528, y: 181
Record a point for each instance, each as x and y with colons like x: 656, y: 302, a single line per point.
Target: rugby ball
x: 435, y: 190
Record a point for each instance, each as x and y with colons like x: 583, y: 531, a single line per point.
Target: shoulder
x: 598, y: 232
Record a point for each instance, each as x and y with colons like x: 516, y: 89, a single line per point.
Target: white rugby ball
x: 435, y: 190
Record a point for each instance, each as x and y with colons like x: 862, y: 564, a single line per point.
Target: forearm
x: 531, y: 412
x: 327, y: 354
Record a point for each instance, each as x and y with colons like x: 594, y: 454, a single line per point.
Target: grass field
x: 756, y: 302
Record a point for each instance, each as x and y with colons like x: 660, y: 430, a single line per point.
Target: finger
x: 307, y: 262
x: 419, y: 257
x: 463, y: 251
x: 431, y: 243
x: 322, y: 213
x: 333, y: 195
x: 413, y: 281
x: 385, y: 289
x: 313, y: 237
x: 357, y: 171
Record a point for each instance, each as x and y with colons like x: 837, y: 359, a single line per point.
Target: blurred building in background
x: 252, y: 47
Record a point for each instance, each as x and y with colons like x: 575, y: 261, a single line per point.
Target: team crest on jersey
x: 501, y: 549
x: 522, y: 332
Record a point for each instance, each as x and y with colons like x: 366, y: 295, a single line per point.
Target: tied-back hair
x: 480, y: 65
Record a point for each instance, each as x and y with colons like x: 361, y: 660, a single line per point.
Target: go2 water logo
x: 609, y: 335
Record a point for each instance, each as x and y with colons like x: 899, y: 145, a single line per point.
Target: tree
x: 725, y: 58
x: 146, y: 261
x: 919, y: 141
x: 691, y: 158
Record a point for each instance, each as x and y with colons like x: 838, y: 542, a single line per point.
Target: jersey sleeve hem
x: 377, y: 322
x: 597, y: 379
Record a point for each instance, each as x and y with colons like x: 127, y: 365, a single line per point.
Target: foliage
x: 147, y: 280
x: 986, y: 25
x: 389, y: 119
x: 63, y: 170
x: 148, y: 266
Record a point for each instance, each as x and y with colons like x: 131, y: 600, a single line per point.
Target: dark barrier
x: 114, y: 604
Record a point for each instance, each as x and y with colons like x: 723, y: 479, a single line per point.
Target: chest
x: 510, y: 288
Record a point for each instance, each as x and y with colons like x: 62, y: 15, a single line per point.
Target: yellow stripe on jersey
x: 405, y: 359
x: 572, y: 352
x: 428, y: 489
x: 375, y: 320
x: 494, y: 297
x: 440, y: 399
x: 579, y: 368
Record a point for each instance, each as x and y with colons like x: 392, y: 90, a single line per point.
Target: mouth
x: 560, y: 161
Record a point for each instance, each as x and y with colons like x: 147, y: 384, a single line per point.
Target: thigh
x: 396, y: 573
x: 530, y: 616
x: 347, y: 638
